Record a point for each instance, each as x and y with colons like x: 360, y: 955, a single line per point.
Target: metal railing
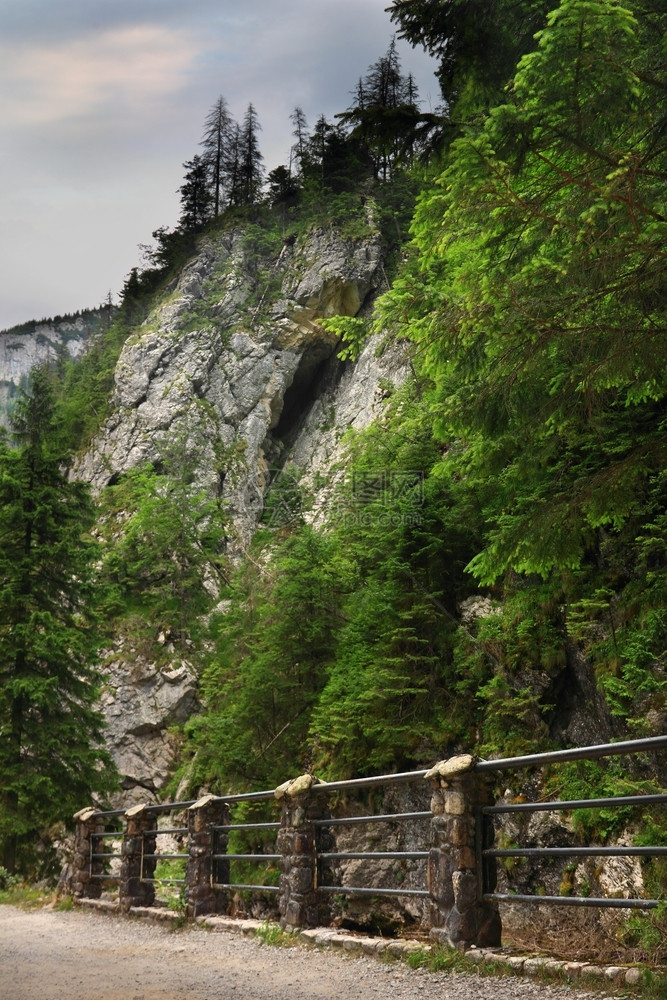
x: 155, y: 857
x: 98, y: 855
x: 555, y: 757
x: 487, y: 855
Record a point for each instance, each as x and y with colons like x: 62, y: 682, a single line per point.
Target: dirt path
x: 48, y: 955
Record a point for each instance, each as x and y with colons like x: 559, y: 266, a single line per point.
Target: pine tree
x: 250, y: 158
x: 51, y: 755
x: 217, y: 142
x: 537, y: 291
x: 196, y: 195
x: 300, y: 133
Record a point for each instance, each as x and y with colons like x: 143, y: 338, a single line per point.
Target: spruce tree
x: 250, y: 158
x: 51, y: 755
x: 196, y: 195
x: 217, y: 142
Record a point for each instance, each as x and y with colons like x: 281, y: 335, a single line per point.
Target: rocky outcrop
x: 233, y: 359
x: 233, y: 363
x: 141, y: 700
x: 30, y: 344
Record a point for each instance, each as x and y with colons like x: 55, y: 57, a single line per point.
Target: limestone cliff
x: 234, y: 356
x: 232, y: 360
x: 22, y: 347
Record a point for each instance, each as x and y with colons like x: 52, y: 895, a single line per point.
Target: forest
x: 520, y: 469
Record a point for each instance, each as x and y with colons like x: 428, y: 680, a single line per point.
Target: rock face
x: 24, y: 346
x: 234, y: 362
x: 140, y: 701
x: 235, y: 359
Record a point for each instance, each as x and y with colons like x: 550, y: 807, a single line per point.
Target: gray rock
x: 240, y: 368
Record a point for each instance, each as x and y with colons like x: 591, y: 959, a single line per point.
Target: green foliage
x: 610, y: 777
x: 272, y: 649
x: 284, y: 500
x: 7, y: 880
x: 164, y: 537
x: 336, y: 651
x: 353, y: 332
x: 273, y: 935
x: 51, y: 755
x: 24, y: 895
x: 534, y: 290
x: 169, y: 890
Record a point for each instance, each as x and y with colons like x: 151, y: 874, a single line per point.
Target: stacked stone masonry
x: 459, y: 916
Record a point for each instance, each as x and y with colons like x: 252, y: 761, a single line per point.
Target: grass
x: 26, y: 896
x: 272, y: 934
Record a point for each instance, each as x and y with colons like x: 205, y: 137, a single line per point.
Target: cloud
x: 102, y: 102
x: 117, y: 69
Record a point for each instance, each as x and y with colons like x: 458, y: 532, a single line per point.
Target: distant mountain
x: 30, y: 343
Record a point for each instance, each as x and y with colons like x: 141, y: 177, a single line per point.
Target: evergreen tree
x: 477, y: 42
x: 217, y: 142
x: 51, y: 755
x: 269, y: 666
x: 250, y: 159
x: 385, y: 118
x: 300, y: 133
x: 537, y: 289
x: 196, y: 195
x: 282, y: 188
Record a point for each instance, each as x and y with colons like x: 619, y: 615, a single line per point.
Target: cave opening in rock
x: 316, y: 370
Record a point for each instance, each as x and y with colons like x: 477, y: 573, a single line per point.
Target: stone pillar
x: 138, y: 840
x: 82, y: 881
x: 202, y: 870
x: 459, y: 917
x: 299, y: 840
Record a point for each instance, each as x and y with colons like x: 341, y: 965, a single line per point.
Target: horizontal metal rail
x: 371, y: 782
x: 582, y: 753
x: 500, y: 764
x: 382, y: 818
x: 103, y: 877
x: 351, y: 890
x: 225, y: 828
x: 360, y: 855
x: 576, y: 753
x: 565, y: 806
x: 246, y: 888
x: 178, y: 829
x: 171, y: 881
x: 167, y: 857
x: 567, y: 852
x: 105, y: 854
x: 247, y: 857
x: 611, y: 902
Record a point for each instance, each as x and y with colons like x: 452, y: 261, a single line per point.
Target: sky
x: 102, y: 101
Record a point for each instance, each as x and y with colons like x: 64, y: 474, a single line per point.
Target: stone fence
x: 460, y: 855
x: 458, y: 915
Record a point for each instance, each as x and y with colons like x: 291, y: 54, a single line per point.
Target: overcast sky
x: 102, y: 101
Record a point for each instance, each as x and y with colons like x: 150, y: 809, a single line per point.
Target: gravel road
x: 75, y: 955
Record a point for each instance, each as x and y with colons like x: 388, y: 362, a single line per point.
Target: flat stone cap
x: 203, y: 801
x: 135, y: 810
x: 83, y: 815
x: 451, y: 767
x: 297, y: 786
